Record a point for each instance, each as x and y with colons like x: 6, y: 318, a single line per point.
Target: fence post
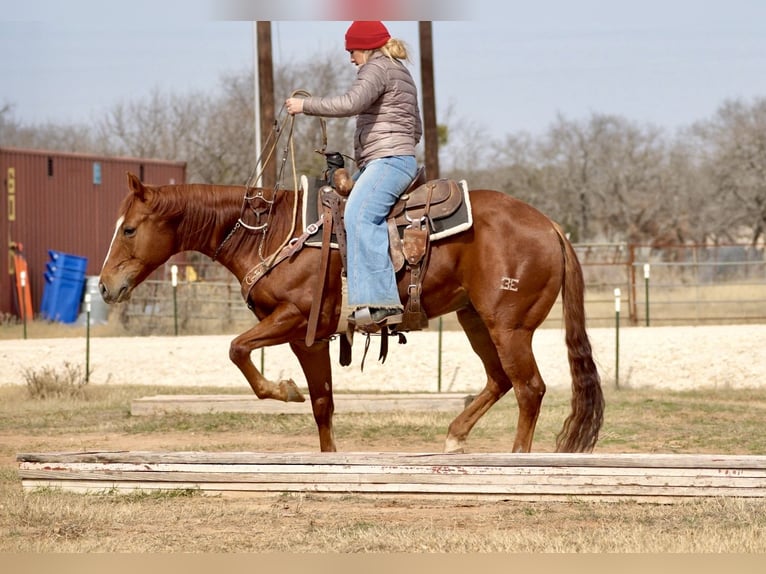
x: 646, y: 292
x: 439, y: 353
x: 87, y: 337
x: 617, y: 338
x: 22, y: 303
x: 174, y: 283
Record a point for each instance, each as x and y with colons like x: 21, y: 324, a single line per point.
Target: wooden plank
x: 344, y: 403
x: 297, y: 470
x: 360, y: 478
x: 248, y: 490
x: 545, y: 475
x: 614, y: 492
x: 413, y: 459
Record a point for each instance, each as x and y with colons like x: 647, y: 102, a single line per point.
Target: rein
x: 289, y: 245
x: 255, y: 176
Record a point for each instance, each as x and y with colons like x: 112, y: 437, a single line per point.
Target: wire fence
x: 677, y: 285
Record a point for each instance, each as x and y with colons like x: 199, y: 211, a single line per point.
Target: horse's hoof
x: 291, y: 392
x: 452, y: 446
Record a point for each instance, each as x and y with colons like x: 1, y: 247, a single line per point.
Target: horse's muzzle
x: 116, y: 295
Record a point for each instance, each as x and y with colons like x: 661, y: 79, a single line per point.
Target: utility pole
x: 430, y: 132
x: 430, y: 129
x: 264, y: 98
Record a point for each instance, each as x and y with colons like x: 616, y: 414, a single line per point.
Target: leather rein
x: 289, y: 245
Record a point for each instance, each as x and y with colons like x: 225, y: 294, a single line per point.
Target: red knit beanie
x: 366, y: 35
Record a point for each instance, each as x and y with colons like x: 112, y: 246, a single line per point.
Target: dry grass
x: 636, y: 421
x: 48, y: 521
x: 47, y: 383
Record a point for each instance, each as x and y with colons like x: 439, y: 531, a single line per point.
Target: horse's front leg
x: 315, y: 362
x: 275, y: 329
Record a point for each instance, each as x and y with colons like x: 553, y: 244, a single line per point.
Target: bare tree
x: 69, y: 138
x: 211, y: 134
x: 215, y: 134
x: 323, y: 75
x: 602, y: 177
x: 465, y: 152
x: 223, y: 139
x: 518, y: 172
x: 688, y: 209
x: 605, y: 174
x: 734, y: 145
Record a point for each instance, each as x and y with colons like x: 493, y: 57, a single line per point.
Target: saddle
x: 436, y: 199
x: 428, y: 210
x: 423, y: 204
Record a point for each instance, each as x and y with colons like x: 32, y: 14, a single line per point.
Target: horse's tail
x: 581, y: 428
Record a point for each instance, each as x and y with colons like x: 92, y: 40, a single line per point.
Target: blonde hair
x: 395, y: 49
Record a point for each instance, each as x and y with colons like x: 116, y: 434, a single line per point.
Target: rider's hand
x: 294, y: 106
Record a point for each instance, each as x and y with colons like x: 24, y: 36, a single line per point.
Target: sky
x: 505, y: 66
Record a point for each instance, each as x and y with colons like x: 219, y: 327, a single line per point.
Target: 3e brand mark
x: 509, y: 284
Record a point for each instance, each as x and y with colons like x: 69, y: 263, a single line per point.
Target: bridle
x: 254, y: 200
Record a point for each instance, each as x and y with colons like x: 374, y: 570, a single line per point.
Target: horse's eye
x: 128, y: 231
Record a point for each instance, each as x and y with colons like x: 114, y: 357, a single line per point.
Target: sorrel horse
x: 501, y: 277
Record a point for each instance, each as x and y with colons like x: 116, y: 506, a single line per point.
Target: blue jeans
x: 370, y: 274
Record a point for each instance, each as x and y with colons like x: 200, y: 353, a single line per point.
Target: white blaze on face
x: 116, y: 229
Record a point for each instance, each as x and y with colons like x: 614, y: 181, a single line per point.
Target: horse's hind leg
x: 315, y: 362
x: 528, y: 386
x: 497, y: 385
x: 513, y: 366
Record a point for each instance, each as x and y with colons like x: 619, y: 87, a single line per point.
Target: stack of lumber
x: 530, y: 476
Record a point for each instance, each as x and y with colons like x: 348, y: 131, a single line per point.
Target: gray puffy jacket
x: 385, y: 100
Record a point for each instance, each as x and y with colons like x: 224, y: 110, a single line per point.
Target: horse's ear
x: 135, y: 185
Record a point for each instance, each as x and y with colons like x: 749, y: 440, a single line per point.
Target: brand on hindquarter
x: 509, y: 283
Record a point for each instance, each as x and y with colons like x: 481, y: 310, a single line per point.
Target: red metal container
x: 66, y: 202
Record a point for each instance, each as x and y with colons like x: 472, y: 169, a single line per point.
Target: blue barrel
x: 64, y: 284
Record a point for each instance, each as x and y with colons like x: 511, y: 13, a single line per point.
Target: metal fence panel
x: 687, y: 285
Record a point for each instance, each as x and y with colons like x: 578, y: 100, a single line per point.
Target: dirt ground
x: 677, y: 358
x: 674, y: 358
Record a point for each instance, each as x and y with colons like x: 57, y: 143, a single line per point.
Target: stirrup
x: 362, y: 318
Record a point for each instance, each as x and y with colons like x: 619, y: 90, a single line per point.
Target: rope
x: 289, y: 151
x: 290, y: 142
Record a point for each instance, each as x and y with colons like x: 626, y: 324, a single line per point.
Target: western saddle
x: 410, y: 223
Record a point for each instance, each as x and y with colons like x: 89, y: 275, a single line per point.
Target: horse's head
x: 144, y: 238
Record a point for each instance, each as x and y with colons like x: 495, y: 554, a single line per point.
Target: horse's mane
x: 203, y: 208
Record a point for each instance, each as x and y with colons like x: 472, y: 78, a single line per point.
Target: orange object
x: 23, y: 290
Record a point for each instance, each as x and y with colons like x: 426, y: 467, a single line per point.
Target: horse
x: 501, y: 277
